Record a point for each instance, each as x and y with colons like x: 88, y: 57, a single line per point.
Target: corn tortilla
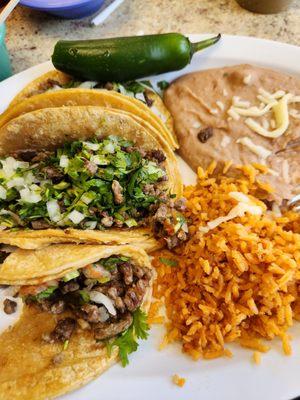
x: 27, y: 371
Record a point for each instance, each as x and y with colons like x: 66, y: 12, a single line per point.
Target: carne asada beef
x: 106, y: 307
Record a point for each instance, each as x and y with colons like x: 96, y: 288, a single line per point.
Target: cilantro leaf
x: 46, y: 293
x: 167, y: 261
x: 127, y: 341
x: 163, y: 85
x: 127, y: 344
x: 141, y: 327
x: 111, y: 262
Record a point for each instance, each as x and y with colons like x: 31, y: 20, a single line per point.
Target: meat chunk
x: 25, y: 155
x: 180, y: 204
x: 111, y: 329
x: 94, y: 314
x: 62, y: 332
x: 172, y: 242
x: 53, y: 173
x: 126, y: 270
x: 148, y: 100
x: 161, y: 213
x: 91, y: 167
x: 107, y: 221
x: 42, y: 156
x: 9, y: 306
x: 58, y: 307
x: 40, y: 224
x: 118, y: 192
x: 133, y: 298
x: 70, y: 287
x: 156, y: 155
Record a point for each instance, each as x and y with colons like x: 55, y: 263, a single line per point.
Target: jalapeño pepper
x: 126, y: 58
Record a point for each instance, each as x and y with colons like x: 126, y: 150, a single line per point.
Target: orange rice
x: 177, y: 380
x: 239, y: 281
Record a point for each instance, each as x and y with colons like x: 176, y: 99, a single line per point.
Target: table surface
x: 31, y: 35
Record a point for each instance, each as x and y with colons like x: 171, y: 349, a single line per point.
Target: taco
x: 83, y: 309
x: 135, y: 97
x: 87, y: 174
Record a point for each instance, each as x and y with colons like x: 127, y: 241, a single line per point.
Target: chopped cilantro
x: 66, y: 345
x: 110, y: 263
x: 163, y: 85
x: 84, y: 296
x: 84, y: 185
x: 46, y: 293
x: 127, y: 341
x: 71, y: 275
x: 167, y: 261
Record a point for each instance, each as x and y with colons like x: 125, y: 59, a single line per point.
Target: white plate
x: 149, y: 374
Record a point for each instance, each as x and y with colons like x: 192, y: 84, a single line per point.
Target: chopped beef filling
x: 115, y: 280
x: 9, y: 306
x: 40, y: 224
x: 62, y: 332
x: 99, y: 184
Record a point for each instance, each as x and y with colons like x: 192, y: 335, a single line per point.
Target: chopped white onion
x: 91, y: 224
x: 10, y: 165
x: 86, y: 199
x: 16, y: 182
x: 76, y: 217
x: 99, y: 161
x: 53, y: 210
x: 87, y: 85
x: 64, y: 161
x: 109, y: 148
x: 29, y: 196
x: 2, y: 193
x: 100, y: 298
x: 91, y: 146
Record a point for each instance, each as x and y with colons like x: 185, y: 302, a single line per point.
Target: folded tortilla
x: 36, y: 96
x: 50, y: 128
x: 27, y: 370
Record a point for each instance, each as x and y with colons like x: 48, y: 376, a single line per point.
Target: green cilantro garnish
x: 46, y: 293
x: 66, y: 345
x: 163, y: 85
x: 110, y: 263
x: 168, y: 261
x: 127, y: 341
x: 83, y: 184
x: 84, y: 296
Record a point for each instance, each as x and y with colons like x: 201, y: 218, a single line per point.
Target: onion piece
x: 76, y: 217
x: 29, y: 196
x: 53, y: 210
x: 64, y: 161
x: 100, y: 298
x: 2, y: 193
x: 91, y: 146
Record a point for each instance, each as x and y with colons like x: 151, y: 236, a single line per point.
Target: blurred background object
x: 70, y: 9
x: 31, y: 34
x: 265, y: 6
x: 5, y: 68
